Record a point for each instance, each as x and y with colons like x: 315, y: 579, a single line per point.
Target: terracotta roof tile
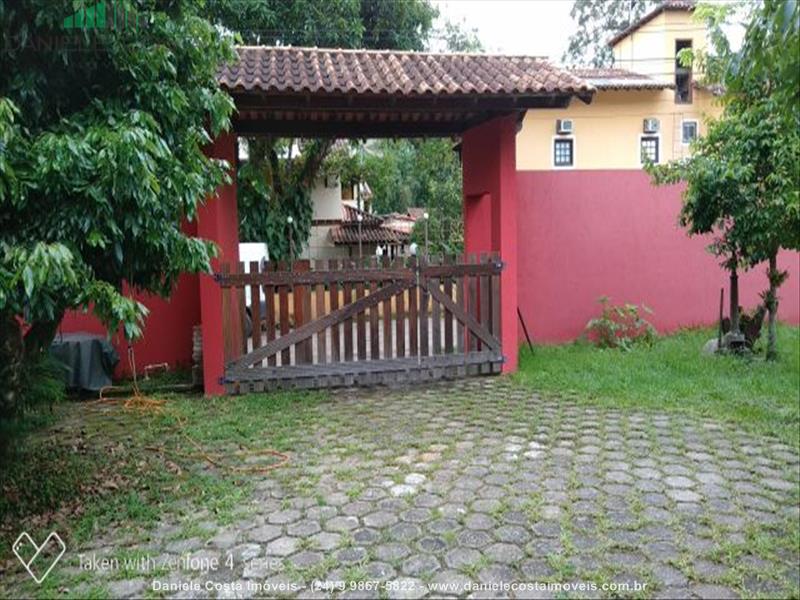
x: 620, y: 79
x: 297, y: 70
x: 369, y: 235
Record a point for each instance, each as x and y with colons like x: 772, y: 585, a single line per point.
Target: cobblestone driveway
x: 430, y: 491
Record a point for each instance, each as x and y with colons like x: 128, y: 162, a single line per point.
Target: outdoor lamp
x: 425, y: 216
x: 412, y: 249
x: 290, y: 219
x: 379, y: 251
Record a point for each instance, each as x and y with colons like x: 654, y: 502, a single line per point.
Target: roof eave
x: 646, y: 19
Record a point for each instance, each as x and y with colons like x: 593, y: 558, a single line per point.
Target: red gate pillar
x: 488, y: 155
x: 218, y: 221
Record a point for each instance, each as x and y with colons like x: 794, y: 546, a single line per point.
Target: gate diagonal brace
x: 309, y: 329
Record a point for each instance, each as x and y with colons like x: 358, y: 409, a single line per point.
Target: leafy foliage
x: 457, y: 37
x: 402, y: 174
x: 101, y: 160
x: 274, y: 185
x: 620, y: 326
x: 743, y: 184
x: 597, y: 21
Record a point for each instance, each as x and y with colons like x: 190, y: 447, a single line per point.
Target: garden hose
x: 143, y: 404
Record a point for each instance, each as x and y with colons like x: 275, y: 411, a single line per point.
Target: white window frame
x: 553, y: 151
x: 696, y: 130
x: 639, y: 147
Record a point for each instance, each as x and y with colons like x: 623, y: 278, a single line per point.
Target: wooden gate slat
x: 387, y: 317
x: 436, y: 315
x: 302, y: 305
x: 472, y: 306
x: 424, y: 344
x: 334, y: 300
x: 348, y: 323
x: 460, y: 302
x: 413, y: 315
x: 283, y: 293
x: 242, y: 314
x: 269, y: 320
x: 448, y: 316
x: 319, y: 303
x: 361, y: 325
x: 345, y: 313
x: 255, y: 309
x: 400, y: 320
x: 374, y: 337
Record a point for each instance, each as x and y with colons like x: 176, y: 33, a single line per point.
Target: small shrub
x: 620, y: 326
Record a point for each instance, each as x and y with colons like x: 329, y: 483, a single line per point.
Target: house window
x: 683, y: 75
x: 688, y: 131
x: 563, y: 152
x: 649, y: 149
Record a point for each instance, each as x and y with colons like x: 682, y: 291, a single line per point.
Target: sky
x: 530, y: 27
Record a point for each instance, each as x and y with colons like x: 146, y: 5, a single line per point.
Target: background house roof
x: 393, y: 228
x: 369, y: 235
x: 677, y: 5
x: 318, y: 92
x: 620, y: 79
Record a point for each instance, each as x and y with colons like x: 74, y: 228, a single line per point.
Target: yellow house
x: 647, y: 105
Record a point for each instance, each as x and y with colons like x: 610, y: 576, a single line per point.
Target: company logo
x: 104, y: 15
x: 39, y: 560
x: 86, y: 29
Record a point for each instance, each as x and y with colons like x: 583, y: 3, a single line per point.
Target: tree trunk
x: 771, y: 301
x: 12, y: 356
x: 734, y: 302
x: 40, y: 336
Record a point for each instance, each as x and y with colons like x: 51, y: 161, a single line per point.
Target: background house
x: 590, y: 221
x: 335, y: 231
x: 647, y: 105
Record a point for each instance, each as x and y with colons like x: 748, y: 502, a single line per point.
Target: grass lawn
x: 674, y: 375
x: 94, y: 468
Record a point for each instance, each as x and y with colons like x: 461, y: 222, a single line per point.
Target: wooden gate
x: 348, y: 322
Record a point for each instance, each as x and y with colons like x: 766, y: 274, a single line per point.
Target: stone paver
x: 480, y: 481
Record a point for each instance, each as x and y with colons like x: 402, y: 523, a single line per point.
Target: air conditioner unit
x: 564, y: 126
x: 651, y: 126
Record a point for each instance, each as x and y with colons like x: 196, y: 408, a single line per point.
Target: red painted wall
x: 584, y: 234
x: 167, y: 332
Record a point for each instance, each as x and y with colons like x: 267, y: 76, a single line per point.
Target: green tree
x: 597, y: 22
x: 743, y: 182
x: 278, y: 183
x: 101, y: 159
x: 407, y: 173
x: 457, y: 37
